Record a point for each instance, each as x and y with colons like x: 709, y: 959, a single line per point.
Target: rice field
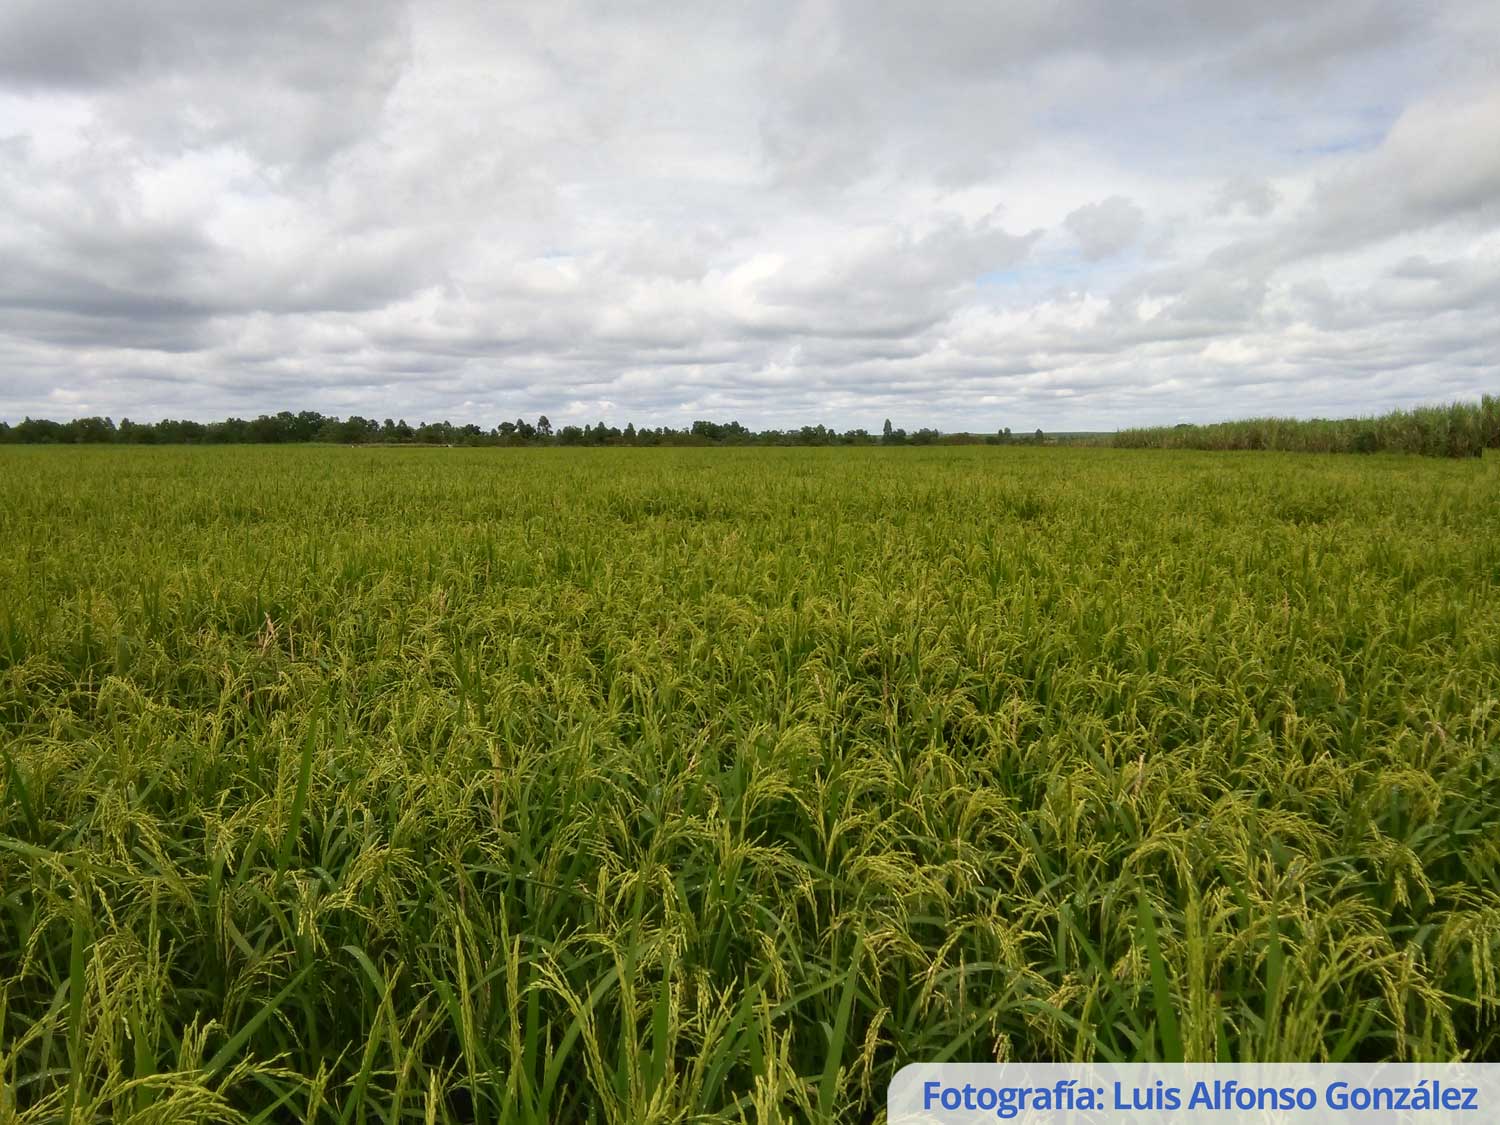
x: 628, y: 785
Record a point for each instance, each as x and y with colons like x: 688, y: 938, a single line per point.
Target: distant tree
x: 269, y: 429
x: 231, y: 431
x: 307, y: 425
x: 285, y: 425
x: 39, y: 430
x: 357, y: 430
x: 1462, y: 429
x: 435, y: 433
x: 91, y: 430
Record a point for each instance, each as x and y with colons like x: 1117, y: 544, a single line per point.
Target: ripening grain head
x: 666, y: 785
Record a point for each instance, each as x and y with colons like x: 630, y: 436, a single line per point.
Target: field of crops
x: 371, y: 785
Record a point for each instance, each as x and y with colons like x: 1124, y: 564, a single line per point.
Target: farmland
x: 694, y: 784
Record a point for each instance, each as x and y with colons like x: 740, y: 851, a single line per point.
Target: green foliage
x: 309, y: 426
x: 1461, y: 429
x: 352, y: 785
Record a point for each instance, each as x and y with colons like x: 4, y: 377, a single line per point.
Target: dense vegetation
x: 630, y: 785
x: 1460, y: 429
x: 310, y: 426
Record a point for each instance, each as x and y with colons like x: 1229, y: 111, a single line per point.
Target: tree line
x: 286, y: 427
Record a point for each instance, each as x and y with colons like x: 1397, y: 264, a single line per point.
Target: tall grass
x: 638, y: 785
x: 1461, y: 429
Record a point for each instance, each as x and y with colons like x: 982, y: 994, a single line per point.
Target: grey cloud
x: 46, y: 43
x: 294, y: 81
x: 1219, y: 299
x: 1251, y: 195
x: 1107, y: 227
x: 70, y: 44
x: 967, y: 36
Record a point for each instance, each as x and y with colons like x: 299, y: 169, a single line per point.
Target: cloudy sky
x: 1073, y: 214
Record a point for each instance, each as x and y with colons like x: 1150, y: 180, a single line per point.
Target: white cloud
x: 1060, y: 214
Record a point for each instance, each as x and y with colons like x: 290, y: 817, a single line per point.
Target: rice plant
x: 351, y: 785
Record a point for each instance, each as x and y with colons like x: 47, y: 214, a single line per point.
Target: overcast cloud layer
x: 1074, y: 214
